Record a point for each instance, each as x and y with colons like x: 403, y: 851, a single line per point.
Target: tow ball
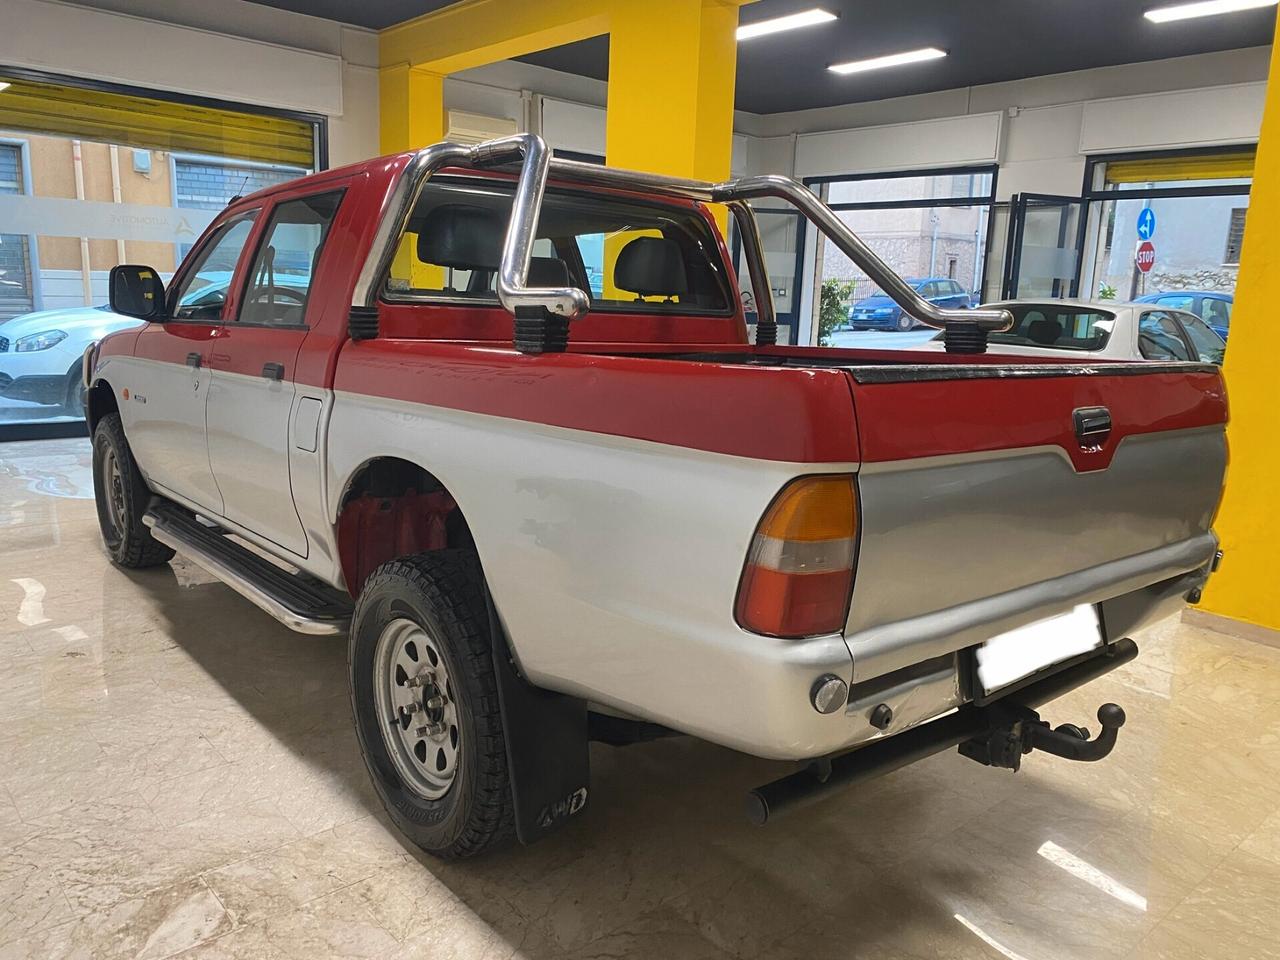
x: 1016, y: 731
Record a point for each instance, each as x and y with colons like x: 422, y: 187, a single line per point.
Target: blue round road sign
x: 1147, y: 224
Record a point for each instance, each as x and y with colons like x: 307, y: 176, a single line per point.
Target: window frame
x: 194, y: 260
x: 267, y: 222
x: 1193, y: 354
x: 440, y: 298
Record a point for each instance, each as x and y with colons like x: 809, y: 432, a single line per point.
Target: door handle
x: 273, y: 370
x: 193, y: 361
x: 1093, y: 425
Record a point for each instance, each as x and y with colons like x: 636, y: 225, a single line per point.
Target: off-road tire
x: 128, y: 540
x: 442, y: 592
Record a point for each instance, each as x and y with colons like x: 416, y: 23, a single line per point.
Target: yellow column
x: 671, y: 74
x: 411, y: 110
x: 1245, y: 588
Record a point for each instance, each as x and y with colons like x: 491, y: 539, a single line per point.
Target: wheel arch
x: 393, y: 507
x: 100, y: 400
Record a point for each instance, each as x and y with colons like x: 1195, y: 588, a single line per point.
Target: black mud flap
x: 546, y: 735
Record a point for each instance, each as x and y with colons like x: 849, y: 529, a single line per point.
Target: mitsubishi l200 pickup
x: 498, y: 419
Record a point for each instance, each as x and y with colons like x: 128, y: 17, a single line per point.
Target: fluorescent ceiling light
x: 893, y: 60
x: 1205, y: 8
x: 794, y: 21
x: 4, y: 84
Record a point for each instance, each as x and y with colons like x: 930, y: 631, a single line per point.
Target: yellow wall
x: 1245, y: 587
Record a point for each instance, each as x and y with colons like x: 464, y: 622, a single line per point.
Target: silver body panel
x: 957, y: 549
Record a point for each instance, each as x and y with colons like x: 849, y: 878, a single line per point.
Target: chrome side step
x: 300, y: 602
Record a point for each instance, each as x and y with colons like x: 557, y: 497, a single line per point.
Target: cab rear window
x: 1058, y: 327
x: 627, y: 255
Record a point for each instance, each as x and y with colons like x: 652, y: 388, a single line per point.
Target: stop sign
x: 1146, y: 256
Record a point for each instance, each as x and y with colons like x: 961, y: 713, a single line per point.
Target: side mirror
x: 136, y: 291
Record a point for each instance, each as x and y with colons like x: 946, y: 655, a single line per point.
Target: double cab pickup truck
x: 498, y: 418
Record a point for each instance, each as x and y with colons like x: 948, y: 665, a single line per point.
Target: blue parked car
x: 1211, y: 306
x: 878, y: 312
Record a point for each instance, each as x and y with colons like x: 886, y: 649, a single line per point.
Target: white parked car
x: 1109, y: 330
x: 40, y: 353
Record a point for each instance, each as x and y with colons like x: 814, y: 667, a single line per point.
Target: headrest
x: 462, y: 237
x: 1045, y: 332
x: 547, y: 272
x: 651, y: 266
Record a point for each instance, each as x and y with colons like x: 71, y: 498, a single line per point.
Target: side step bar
x: 968, y: 723
x: 300, y: 602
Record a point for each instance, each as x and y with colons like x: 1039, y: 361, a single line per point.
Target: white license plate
x: 1021, y: 652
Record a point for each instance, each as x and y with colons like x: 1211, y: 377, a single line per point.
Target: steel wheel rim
x: 417, y: 714
x: 113, y: 485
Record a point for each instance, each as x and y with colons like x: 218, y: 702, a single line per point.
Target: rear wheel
x: 425, y: 699
x: 122, y: 497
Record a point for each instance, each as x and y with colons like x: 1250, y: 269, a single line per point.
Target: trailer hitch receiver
x: 1015, y: 731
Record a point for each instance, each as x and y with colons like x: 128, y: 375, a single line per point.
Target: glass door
x: 1046, y: 237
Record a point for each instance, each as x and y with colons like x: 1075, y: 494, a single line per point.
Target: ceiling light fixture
x: 793, y: 21
x: 1205, y: 8
x: 892, y: 60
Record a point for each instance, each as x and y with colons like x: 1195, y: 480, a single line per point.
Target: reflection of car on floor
x: 1109, y: 330
x: 1211, y: 306
x: 878, y: 312
x: 40, y: 352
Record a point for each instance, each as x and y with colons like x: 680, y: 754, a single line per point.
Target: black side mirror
x: 136, y: 291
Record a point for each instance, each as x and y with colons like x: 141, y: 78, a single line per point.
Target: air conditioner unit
x: 473, y: 128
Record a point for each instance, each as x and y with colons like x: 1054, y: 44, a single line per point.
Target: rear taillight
x: 799, y: 570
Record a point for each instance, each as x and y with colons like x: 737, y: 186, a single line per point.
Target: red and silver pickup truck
x: 497, y: 417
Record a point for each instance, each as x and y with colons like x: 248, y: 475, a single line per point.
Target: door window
x: 1208, y: 344
x: 1177, y: 302
x: 280, y: 279
x: 931, y: 290
x: 202, y: 292
x: 1160, y: 338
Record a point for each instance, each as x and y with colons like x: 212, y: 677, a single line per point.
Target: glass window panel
x: 280, y: 278
x: 946, y: 186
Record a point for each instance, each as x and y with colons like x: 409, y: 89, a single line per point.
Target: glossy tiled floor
x: 179, y: 773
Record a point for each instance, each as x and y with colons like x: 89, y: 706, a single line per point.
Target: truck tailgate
x: 982, y: 509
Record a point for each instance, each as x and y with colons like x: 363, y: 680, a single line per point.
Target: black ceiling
x: 987, y: 40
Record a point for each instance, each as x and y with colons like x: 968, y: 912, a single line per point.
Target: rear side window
x: 1210, y: 347
x: 1177, y: 302
x: 280, y: 280
x: 1056, y: 326
x: 1160, y: 338
x: 627, y: 255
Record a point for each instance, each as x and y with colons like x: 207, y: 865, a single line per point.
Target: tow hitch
x: 1020, y: 730
x: 999, y: 734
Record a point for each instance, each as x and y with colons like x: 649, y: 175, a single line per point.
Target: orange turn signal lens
x: 799, y: 570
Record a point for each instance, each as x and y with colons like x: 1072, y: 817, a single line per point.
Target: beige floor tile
x: 1231, y: 915
x: 158, y: 925
x: 273, y: 883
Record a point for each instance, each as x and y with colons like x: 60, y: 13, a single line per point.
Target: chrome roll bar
x: 536, y: 165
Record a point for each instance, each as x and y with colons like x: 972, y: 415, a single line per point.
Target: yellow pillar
x: 1245, y: 588
x: 411, y: 110
x: 671, y: 77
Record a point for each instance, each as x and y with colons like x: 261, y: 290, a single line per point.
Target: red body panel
x: 769, y: 413
x: 907, y: 420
